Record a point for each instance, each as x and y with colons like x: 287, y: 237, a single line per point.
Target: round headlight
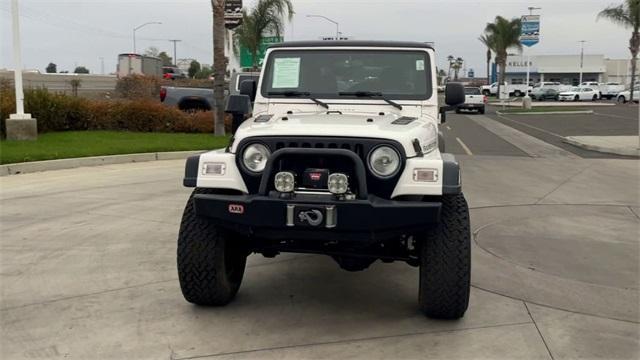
x: 255, y: 157
x: 384, y: 161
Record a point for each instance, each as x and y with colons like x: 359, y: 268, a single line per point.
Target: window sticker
x: 420, y: 65
x: 286, y: 73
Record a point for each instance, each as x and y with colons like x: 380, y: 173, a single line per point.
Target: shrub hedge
x: 58, y: 112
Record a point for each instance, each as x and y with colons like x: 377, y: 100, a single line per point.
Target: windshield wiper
x: 371, y: 94
x: 293, y: 93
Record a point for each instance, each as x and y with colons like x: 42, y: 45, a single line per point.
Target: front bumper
x: 371, y: 217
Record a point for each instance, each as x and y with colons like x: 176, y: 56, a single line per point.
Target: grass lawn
x: 71, y: 144
x: 542, y: 109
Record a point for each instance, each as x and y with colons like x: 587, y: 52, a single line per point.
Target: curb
x: 59, y: 164
x: 547, y: 112
x: 607, y: 150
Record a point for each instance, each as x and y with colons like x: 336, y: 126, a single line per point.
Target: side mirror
x: 239, y: 106
x: 249, y: 88
x: 454, y: 94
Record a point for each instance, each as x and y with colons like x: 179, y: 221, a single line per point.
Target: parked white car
x: 624, y: 96
x: 611, y: 90
x: 579, y: 94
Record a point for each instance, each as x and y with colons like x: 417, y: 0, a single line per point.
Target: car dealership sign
x: 530, y: 33
x: 232, y: 13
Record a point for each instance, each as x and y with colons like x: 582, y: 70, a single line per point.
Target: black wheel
x: 481, y: 110
x: 576, y: 98
x: 445, y: 262
x: 210, y: 262
x: 517, y: 93
x: 486, y: 92
x: 595, y: 98
x: 458, y: 111
x: 621, y: 99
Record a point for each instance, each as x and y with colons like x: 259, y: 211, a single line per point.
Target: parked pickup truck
x: 515, y: 90
x: 473, y: 100
x: 201, y: 99
x: 187, y: 98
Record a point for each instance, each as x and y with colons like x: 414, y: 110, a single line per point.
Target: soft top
x: 353, y: 43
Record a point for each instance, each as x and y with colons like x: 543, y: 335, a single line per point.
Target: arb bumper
x: 317, y: 215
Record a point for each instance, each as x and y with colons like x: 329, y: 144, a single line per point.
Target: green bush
x: 136, y: 87
x: 58, y: 112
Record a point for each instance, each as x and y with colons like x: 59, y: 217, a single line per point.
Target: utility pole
x: 101, y: 65
x: 19, y: 126
x: 581, y: 59
x: 175, y: 58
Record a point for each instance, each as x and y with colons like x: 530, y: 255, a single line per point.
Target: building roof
x: 353, y: 43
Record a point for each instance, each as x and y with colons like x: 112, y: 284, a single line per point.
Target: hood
x: 327, y: 124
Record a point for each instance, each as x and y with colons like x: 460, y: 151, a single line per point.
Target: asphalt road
x: 464, y: 134
x: 605, y: 121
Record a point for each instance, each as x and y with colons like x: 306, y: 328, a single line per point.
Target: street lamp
x: 138, y: 27
x: 581, y: 59
x: 326, y: 18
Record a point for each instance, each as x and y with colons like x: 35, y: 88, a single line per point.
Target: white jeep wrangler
x: 341, y: 156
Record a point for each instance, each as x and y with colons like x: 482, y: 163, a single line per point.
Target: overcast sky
x: 80, y: 32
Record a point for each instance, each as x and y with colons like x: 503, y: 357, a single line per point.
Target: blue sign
x: 530, y: 33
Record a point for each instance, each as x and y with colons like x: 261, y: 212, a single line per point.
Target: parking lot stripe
x: 532, y: 146
x: 464, y: 146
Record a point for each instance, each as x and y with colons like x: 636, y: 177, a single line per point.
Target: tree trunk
x: 634, y: 47
x: 488, y: 66
x: 219, y: 64
x: 502, y: 73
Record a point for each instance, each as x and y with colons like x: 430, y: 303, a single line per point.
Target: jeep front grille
x: 360, y: 146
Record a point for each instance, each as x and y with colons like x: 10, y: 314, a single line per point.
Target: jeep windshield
x: 348, y: 74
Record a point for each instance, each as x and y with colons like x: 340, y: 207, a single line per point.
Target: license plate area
x: 312, y: 216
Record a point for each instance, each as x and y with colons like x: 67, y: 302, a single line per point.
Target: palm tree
x: 264, y: 18
x: 627, y: 14
x: 505, y: 34
x: 219, y: 64
x: 487, y: 40
x: 457, y: 65
x: 450, y: 59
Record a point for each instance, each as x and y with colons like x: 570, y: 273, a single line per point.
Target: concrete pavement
x: 88, y: 271
x: 619, y: 145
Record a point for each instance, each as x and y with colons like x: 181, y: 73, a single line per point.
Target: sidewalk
x: 620, y: 145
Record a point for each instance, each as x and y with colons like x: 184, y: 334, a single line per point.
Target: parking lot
x: 88, y: 263
x: 550, y: 129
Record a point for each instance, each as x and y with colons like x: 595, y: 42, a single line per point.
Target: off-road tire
x: 211, y: 262
x: 445, y: 262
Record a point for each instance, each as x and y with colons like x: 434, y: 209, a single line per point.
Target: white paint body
x: 580, y: 94
x: 358, y: 118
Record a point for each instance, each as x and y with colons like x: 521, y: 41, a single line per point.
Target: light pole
x: 138, y: 27
x: 581, y: 59
x: 175, y: 57
x: 19, y: 126
x: 329, y: 20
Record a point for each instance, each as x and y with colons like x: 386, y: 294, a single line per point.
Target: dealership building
x: 565, y: 69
